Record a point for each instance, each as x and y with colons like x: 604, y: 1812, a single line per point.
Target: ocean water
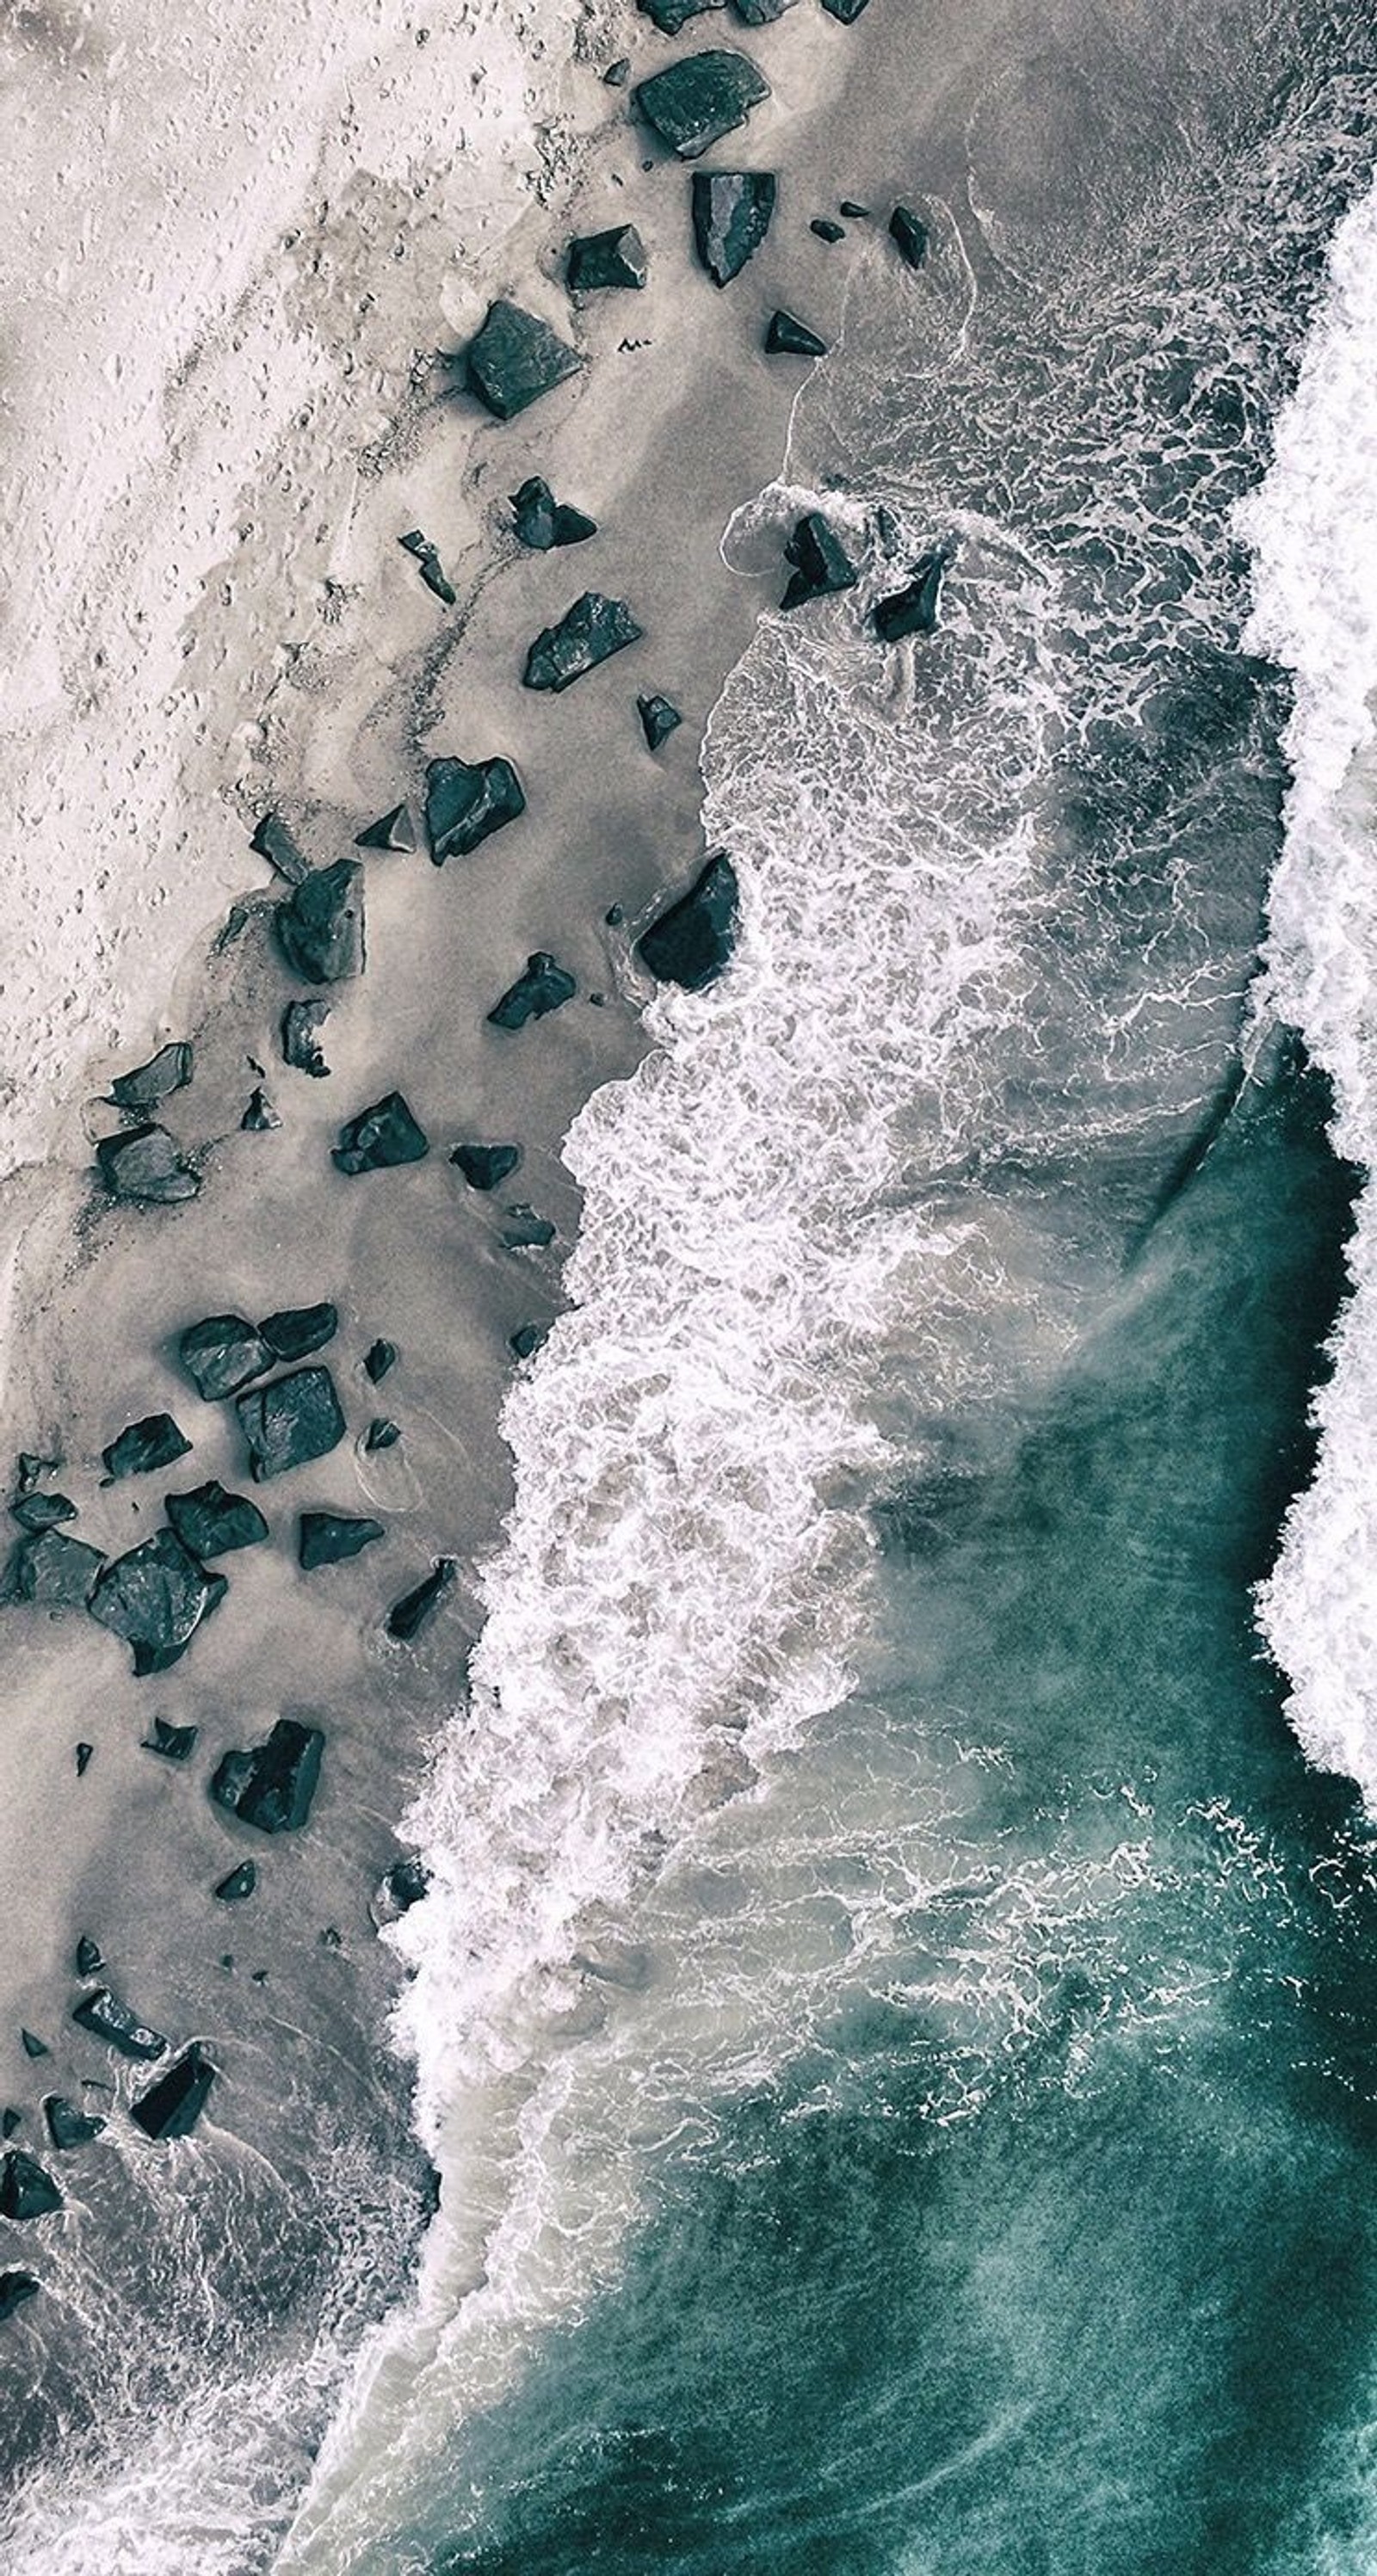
x: 893, y: 2018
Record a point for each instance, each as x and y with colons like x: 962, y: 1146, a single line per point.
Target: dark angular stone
x: 732, y: 212
x: 483, y: 1166
x: 172, y: 2106
x: 516, y: 358
x: 378, y: 1359
x: 393, y: 830
x: 692, y: 942
x: 211, y: 1521
x: 287, y: 1424
x: 237, y: 1883
x: 432, y: 570
x: 914, y: 609
x: 618, y: 74
x: 524, y: 1231
x: 273, y: 842
x: 854, y: 213
x: 109, y: 2019
x: 409, y: 1615
x: 83, y: 1756
x: 541, y: 521
x: 35, y: 1512
x: 588, y: 633
x: 32, y: 2045
x: 297, y: 1330
x: 221, y: 1354
x: 145, y: 1165
x: 401, y: 1887
x: 155, y: 1597
x: 694, y: 102
x: 58, y: 1573
x: 174, y: 1743
x: 88, y: 1958
x: 272, y: 1785
x: 302, y: 1023
x: 153, y: 1442
x: 787, y: 337
x: 910, y: 235
x: 821, y: 562
x: 380, y: 1137
x: 466, y: 801
x: 15, y: 2288
x: 168, y: 1071
x: 848, y: 11
x: 760, y: 13
x: 10, y: 2120
x: 672, y: 15
x: 68, y: 2127
x: 527, y: 1339
x: 382, y: 1434
x: 826, y: 229
x: 260, y: 1117
x: 30, y: 1472
x: 543, y: 987
x: 26, y: 2191
x: 320, y: 930
x: 326, y: 1538
x: 612, y: 258
x: 659, y: 719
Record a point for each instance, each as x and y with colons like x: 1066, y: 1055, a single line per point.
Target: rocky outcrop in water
x: 155, y: 1597
x: 221, y: 1353
x: 171, y: 1743
x: 820, y: 560
x: 541, y: 522
x: 515, y: 359
x: 145, y: 1165
x: 15, y: 2289
x: 394, y: 831
x: 672, y: 15
x: 103, y: 2014
x: 542, y: 988
x: 692, y: 941
x: 326, y: 1538
x: 588, y: 633
x: 320, y: 929
x: 295, y: 1331
x: 909, y: 234
x: 168, y: 1071
x: 466, y: 801
x: 732, y: 213
x: 693, y: 103
x: 613, y: 258
x: 27, y: 2190
x: 914, y: 609
x: 659, y: 719
x: 272, y: 1785
x: 288, y: 1423
x: 408, y: 1616
x: 68, y: 2127
x: 787, y: 337
x: 380, y: 1138
x: 172, y: 2106
x: 483, y: 1166
x: 37, y: 1512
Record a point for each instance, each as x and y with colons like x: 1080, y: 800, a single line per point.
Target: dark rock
x: 104, y: 2014
x: 168, y: 1071
x: 211, y: 1522
x: 382, y: 1434
x: 483, y: 1166
x: 732, y: 212
x: 320, y: 931
x: 527, y: 1339
x: 692, y: 942
x: 524, y: 1231
x: 88, y: 1958
x: 155, y: 1597
x: 297, y: 1330
x: 543, y: 987
x: 15, y: 2288
x: 302, y: 1023
x: 174, y: 1743
x: 326, y: 1538
x: 331, y: 1938
x: 821, y: 562
x: 848, y: 11
x: 380, y: 1137
x: 393, y: 830
x: 760, y: 13
x: 659, y: 719
x: 237, y: 1883
x: 612, y: 258
x: 144, y: 1164
x: 26, y: 2191
x: 153, y: 1442
x: 432, y: 570
x: 30, y: 1472
x: 221, y: 1354
x: 407, y: 1616
x: 271, y: 1785
x: 541, y: 521
x: 466, y: 801
x: 914, y: 609
x: 671, y: 16
x: 588, y: 633
x: 401, y: 1887
x: 615, y: 915
x: 695, y: 102
x: 618, y: 74
x: 856, y: 214
x: 83, y: 1756
x: 58, y: 1573
x: 516, y: 358
x: 910, y: 235
x: 286, y: 1424
x: 68, y: 2127
x: 273, y: 842
x: 826, y: 229
x: 787, y: 337
x: 33, y: 2046
x: 35, y: 1512
x: 378, y: 1359
x: 172, y: 2106
x: 259, y: 1117
x: 10, y: 2120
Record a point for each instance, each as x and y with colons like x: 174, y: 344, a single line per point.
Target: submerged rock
x: 26, y: 2190
x: 259, y: 1117
x: 32, y: 2045
x: 914, y: 609
x: 909, y: 234
x: 294, y: 1331
x: 144, y: 1164
x: 153, y: 1442
x: 68, y: 2127
x: 288, y: 1423
x: 172, y: 2106
x: 483, y: 1166
x: 525, y: 1231
x: 848, y: 11
x: 272, y: 1785
x: 56, y: 1572
x: 854, y: 213
x: 692, y: 942
x: 35, y: 1512
x: 274, y: 842
x: 30, y: 1471
x: 382, y: 1434
x: 526, y: 1340
x: 787, y: 337
x: 168, y: 1071
x: 821, y: 562
x: 695, y: 102
x: 88, y: 1957
x: 393, y: 830
x: 732, y: 212
x: 407, y: 1616
x: 302, y: 1023
x: 174, y: 1743
x: 237, y: 1884
x: 466, y: 801
x: 760, y: 13
x: 401, y: 1887
x: 618, y: 73
x: 320, y: 930
x: 588, y: 633
x: 378, y: 1359
x: 671, y: 15
x: 432, y: 570
x: 543, y: 987
x: 15, y: 2289
x: 221, y: 1354
x: 541, y: 521
x: 156, y: 1597
x: 659, y: 719
x: 827, y: 230
x: 612, y: 258
x: 380, y: 1137
x: 327, y: 1538
x: 516, y: 358
x: 110, y: 2020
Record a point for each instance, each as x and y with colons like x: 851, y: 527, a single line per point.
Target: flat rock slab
x: 695, y: 102
x: 541, y: 522
x: 409, y: 1615
x: 156, y: 1597
x: 295, y: 1331
x: 302, y: 1023
x: 221, y: 1353
x: 272, y: 1785
x: 156, y: 1441
x: 168, y: 1071
x: 692, y: 942
x: 288, y: 1423
x: 588, y: 633
x: 483, y: 1166
x: 542, y: 988
x: 145, y: 1165
x: 820, y: 560
x: 916, y: 608
x: 321, y: 930
x: 732, y: 212
x: 516, y: 358
x: 466, y: 801
x: 172, y: 2106
x: 380, y: 1137
x: 26, y: 2189
x: 103, y: 2014
x: 327, y: 1538
x: 615, y: 258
